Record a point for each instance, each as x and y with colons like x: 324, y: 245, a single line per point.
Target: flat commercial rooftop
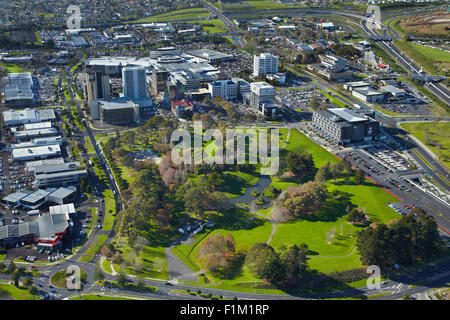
x: 13, y: 117
x: 41, y: 151
x: 64, y: 209
x: 209, y: 55
x: 36, y: 196
x: 16, y: 196
x: 39, y: 125
x: 347, y: 114
x: 116, y: 104
x: 36, y: 132
x: 32, y: 164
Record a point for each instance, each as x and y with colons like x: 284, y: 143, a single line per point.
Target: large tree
x: 264, y: 263
x: 300, y: 163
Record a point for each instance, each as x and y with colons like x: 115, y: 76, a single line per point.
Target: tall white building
x: 134, y: 82
x: 226, y: 89
x: 264, y: 63
x: 261, y: 98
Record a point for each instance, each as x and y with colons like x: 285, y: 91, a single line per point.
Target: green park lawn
x: 100, y: 173
x: 106, y: 265
x: 436, y: 136
x: 245, y: 228
x: 237, y: 182
x: 299, y: 142
x: 12, y: 291
x: 147, y: 261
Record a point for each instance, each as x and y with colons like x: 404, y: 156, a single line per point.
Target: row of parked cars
x: 402, y: 210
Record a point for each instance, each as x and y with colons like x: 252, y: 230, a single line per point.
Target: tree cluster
x: 305, y: 200
x: 279, y: 268
x: 411, y: 239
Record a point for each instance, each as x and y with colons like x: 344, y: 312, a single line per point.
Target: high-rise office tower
x: 134, y: 82
x: 265, y: 63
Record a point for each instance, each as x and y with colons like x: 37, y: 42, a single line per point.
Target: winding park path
x: 178, y: 270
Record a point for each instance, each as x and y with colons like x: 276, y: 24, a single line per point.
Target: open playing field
x: 436, y: 136
x: 218, y: 27
x: 183, y: 14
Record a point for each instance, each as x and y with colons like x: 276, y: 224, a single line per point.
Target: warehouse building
x: 368, y: 95
x: 46, y: 230
x: 19, y: 117
x: 30, y: 134
x: 210, y: 56
x: 394, y: 91
x: 41, y: 152
x: 343, y: 126
x: 20, y: 90
x: 30, y: 165
x: 48, y: 141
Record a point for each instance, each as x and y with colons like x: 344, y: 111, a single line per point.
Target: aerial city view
x: 225, y: 150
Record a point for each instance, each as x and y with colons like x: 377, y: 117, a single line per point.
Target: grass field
x: 299, y: 142
x: 103, y: 297
x: 183, y: 14
x: 106, y: 265
x: 339, y: 255
x: 265, y: 4
x: 429, y: 24
x: 434, y: 135
x: 59, y: 279
x: 419, y: 56
x: 12, y: 291
x: 89, y: 146
x: 96, y: 245
x: 218, y: 27
x: 241, y: 224
x: 237, y: 182
x: 433, y: 53
x: 10, y: 67
x: 145, y: 261
x: 110, y: 210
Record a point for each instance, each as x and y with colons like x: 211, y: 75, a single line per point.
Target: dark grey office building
x: 342, y: 126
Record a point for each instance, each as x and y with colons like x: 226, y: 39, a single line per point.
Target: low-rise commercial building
x: 368, y: 95
x: 41, y: 152
x: 19, y: 117
x: 342, y: 125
